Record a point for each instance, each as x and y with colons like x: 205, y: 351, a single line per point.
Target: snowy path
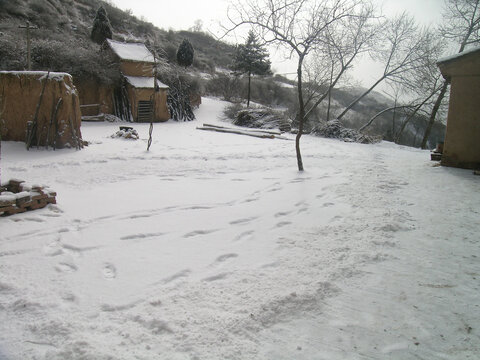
x: 213, y: 246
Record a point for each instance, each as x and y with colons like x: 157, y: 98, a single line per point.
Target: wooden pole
x: 33, y: 129
x: 28, y: 27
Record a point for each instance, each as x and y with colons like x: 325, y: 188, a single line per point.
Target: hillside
x: 64, y: 28
x: 62, y: 43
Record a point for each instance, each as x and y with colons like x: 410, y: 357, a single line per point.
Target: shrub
x: 79, y: 58
x: 260, y: 117
x: 230, y: 112
x: 39, y: 6
x: 12, y: 8
x: 224, y: 86
x: 185, y: 53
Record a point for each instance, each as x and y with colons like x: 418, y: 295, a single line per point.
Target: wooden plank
x: 238, y: 132
x: 89, y: 105
x: 245, y: 129
x: 99, y: 117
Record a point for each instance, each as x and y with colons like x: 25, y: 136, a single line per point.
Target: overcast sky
x: 182, y: 14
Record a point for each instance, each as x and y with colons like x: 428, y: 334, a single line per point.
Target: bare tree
x: 419, y: 85
x: 301, y: 27
x: 461, y: 24
x: 425, y: 82
x: 344, y: 41
x: 401, y: 52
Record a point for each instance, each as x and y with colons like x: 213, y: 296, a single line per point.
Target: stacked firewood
x: 17, y: 197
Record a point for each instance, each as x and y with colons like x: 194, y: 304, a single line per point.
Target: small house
x: 146, y: 94
x: 462, y: 138
x: 140, y: 97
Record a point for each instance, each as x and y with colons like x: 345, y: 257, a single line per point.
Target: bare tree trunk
x: 301, y: 114
x: 330, y: 94
x: 357, y: 100
x: 380, y: 113
x: 248, y: 93
x: 394, y: 116
x: 431, y: 121
x: 410, y: 117
x: 0, y: 157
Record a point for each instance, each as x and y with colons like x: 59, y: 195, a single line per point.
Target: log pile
x: 262, y: 118
x: 334, y: 129
x: 17, y: 197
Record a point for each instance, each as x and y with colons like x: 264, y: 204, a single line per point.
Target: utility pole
x: 28, y: 27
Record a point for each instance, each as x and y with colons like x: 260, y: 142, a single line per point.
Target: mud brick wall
x: 17, y: 197
x: 19, y: 97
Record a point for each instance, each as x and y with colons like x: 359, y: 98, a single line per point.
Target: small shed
x: 462, y: 138
x: 146, y: 94
x: 58, y: 116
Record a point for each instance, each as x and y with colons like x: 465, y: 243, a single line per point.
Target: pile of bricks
x: 17, y: 197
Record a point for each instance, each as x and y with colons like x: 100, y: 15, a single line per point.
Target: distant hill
x: 62, y: 43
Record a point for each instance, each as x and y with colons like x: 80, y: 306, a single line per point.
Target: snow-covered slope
x: 213, y: 246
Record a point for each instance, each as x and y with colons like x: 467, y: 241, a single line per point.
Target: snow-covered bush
x: 262, y: 118
x: 335, y: 130
x: 80, y: 58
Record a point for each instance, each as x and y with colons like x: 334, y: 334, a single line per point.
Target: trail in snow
x: 213, y: 246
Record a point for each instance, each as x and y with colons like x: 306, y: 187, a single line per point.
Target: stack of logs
x: 16, y: 197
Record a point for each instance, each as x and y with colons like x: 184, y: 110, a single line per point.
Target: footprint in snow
x: 282, y: 224
x: 220, y: 276
x: 66, y: 267
x: 225, y: 257
x: 282, y: 213
x: 278, y: 188
x: 142, y: 236
x: 244, y: 235
x: 249, y: 200
x: 109, y: 271
x: 199, y: 232
x: 178, y: 275
x: 243, y: 221
x: 34, y: 219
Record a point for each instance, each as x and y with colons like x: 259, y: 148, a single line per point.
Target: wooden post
x: 28, y: 27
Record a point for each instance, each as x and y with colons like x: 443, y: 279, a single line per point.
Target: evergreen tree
x: 251, y: 59
x: 185, y: 53
x: 102, y: 29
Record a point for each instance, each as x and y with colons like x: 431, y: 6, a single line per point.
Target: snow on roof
x: 131, y: 51
x: 57, y: 76
x: 458, y: 55
x: 142, y: 82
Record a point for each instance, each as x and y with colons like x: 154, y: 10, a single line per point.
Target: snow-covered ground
x: 213, y: 246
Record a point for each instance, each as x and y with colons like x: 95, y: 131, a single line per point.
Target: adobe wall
x: 91, y: 91
x: 462, y: 140
x: 19, y: 94
x: 130, y: 68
